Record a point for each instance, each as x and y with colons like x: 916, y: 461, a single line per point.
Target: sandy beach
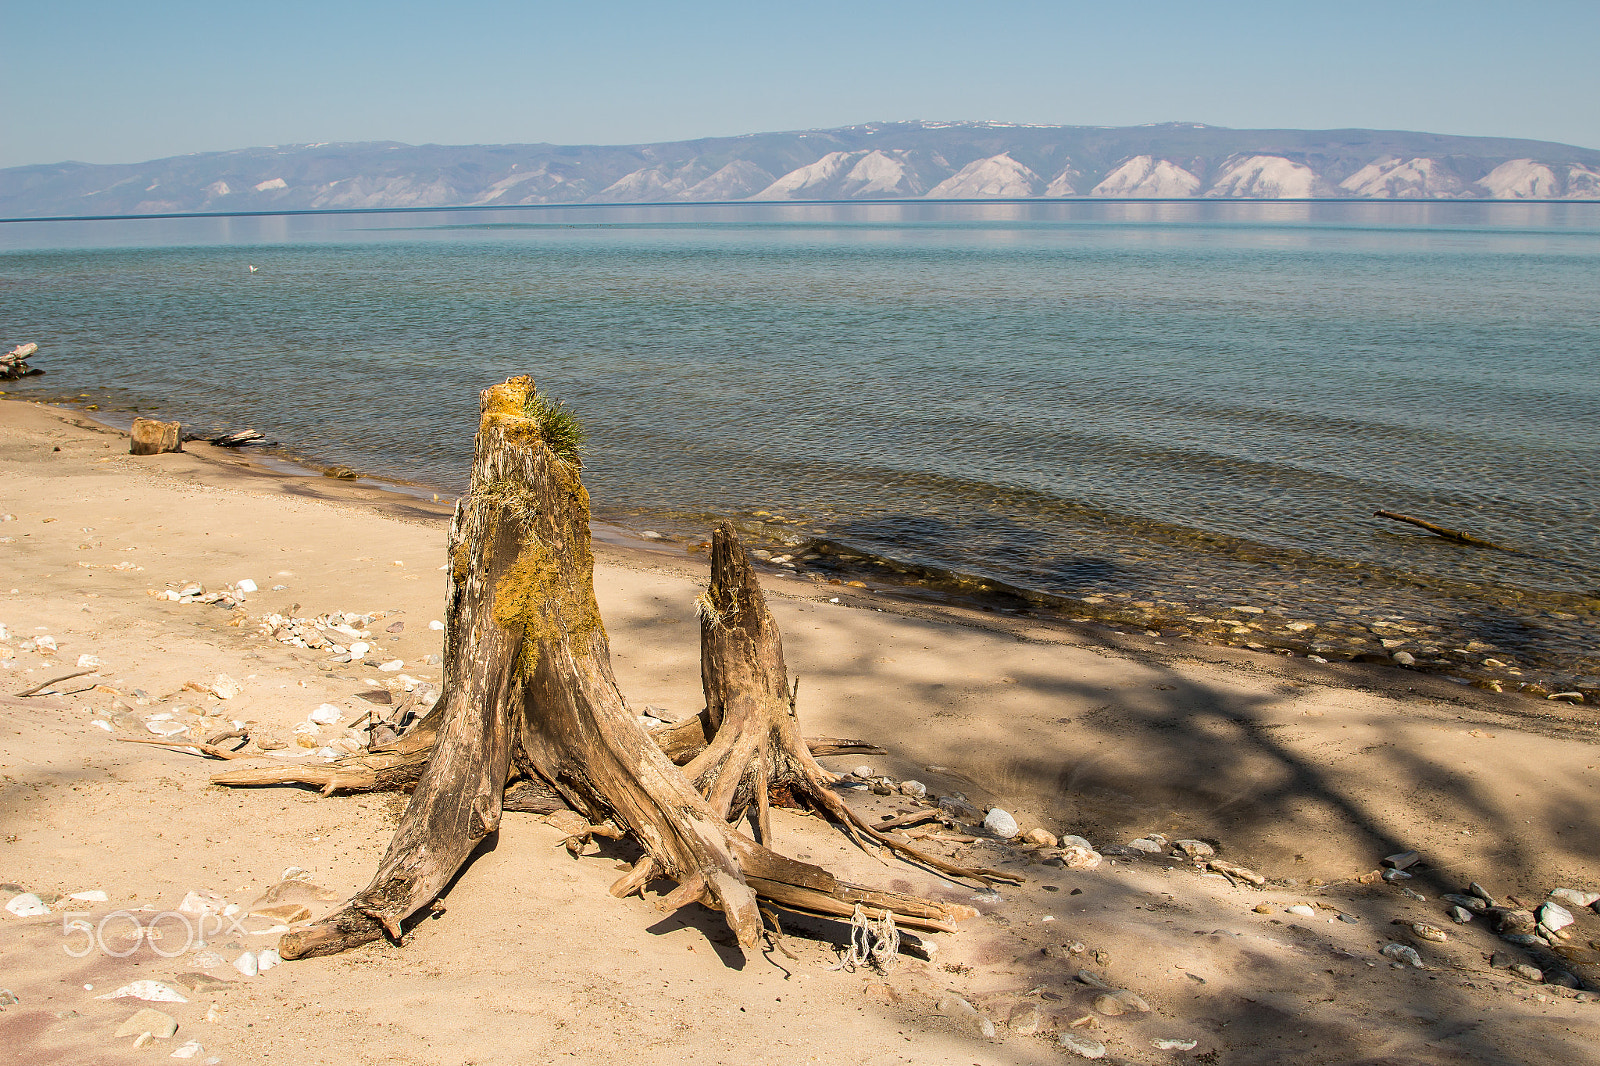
x: 1309, y: 774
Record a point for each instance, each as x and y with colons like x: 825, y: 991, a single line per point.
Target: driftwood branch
x: 1456, y: 535
x: 35, y: 690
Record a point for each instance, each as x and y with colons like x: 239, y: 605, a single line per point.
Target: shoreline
x: 1308, y: 774
x: 782, y: 545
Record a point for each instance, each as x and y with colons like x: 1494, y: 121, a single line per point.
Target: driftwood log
x: 1459, y: 536
x: 531, y: 718
x: 14, y: 364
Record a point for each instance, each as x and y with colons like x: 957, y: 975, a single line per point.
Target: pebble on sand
x: 1000, y: 823
x: 1086, y: 1046
x: 149, y: 1020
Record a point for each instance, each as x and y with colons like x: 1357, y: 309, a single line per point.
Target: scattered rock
x: 327, y: 714
x: 1430, y: 932
x: 224, y: 687
x: 246, y: 964
x: 1000, y: 823
x: 1077, y: 1043
x: 1512, y: 920
x: 267, y: 959
x: 149, y: 1020
x: 1303, y: 910
x: 1528, y: 973
x: 1172, y: 1044
x: 26, y: 905
x: 1575, y: 897
x: 1026, y: 1020
x: 1471, y: 903
x: 8, y: 998
x: 1078, y: 857
x: 149, y: 991
x: 189, y: 1050
x: 1480, y: 892
x: 914, y: 789
x: 1402, y: 953
x: 1195, y: 849
x: 1120, y: 1002
x: 1555, y: 917
x: 1460, y: 915
x: 953, y: 1006
x: 1402, y: 861
x: 1040, y: 836
x: 1147, y: 845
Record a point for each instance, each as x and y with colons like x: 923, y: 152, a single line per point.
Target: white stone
x: 436, y: 625
x: 93, y: 895
x: 1145, y: 844
x: 45, y: 642
x: 1078, y: 1044
x: 1301, y: 909
x: 267, y: 959
x: 1555, y: 916
x: 190, y: 1050
x: 1575, y: 897
x: 327, y: 714
x: 207, y: 960
x: 246, y: 964
x: 1000, y: 823
x: 149, y: 991
x: 1172, y: 1044
x: 360, y: 648
x: 27, y: 905
x: 392, y: 665
x: 89, y: 662
x: 201, y: 904
x: 914, y: 789
x: 245, y: 585
x: 224, y: 687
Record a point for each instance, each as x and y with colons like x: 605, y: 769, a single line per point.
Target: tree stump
x: 149, y: 437
x: 529, y: 698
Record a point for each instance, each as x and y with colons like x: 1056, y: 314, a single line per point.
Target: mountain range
x: 877, y: 161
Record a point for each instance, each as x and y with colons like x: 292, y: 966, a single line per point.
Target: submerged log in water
x: 1457, y: 535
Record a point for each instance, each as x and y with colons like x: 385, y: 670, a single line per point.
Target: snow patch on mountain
x: 270, y: 184
x: 1583, y: 183
x: 998, y: 176
x: 1145, y: 176
x: 881, y: 174
x: 1264, y: 177
x: 810, y: 180
x: 663, y: 182
x: 1521, y: 179
x: 218, y: 188
x: 400, y: 191
x: 1063, y: 183
x: 735, y: 181
x: 1389, y: 178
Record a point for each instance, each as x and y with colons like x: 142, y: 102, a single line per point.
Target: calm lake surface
x: 1153, y: 413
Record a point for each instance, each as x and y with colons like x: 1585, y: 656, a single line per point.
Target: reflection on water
x: 1151, y: 412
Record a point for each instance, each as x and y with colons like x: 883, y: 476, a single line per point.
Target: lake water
x: 1150, y: 413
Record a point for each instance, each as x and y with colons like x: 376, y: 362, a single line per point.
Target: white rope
x: 871, y: 941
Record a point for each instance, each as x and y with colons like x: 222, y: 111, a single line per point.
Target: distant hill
x: 898, y: 160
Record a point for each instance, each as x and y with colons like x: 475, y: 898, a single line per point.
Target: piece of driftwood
x: 1456, y: 535
x: 64, y: 677
x: 150, y: 437
x: 529, y: 699
x: 14, y: 364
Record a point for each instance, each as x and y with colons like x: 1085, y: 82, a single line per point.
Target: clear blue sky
x: 126, y: 81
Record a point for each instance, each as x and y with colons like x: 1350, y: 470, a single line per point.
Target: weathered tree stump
x: 150, y: 437
x: 529, y: 699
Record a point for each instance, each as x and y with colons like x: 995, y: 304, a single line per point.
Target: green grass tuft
x: 560, y: 429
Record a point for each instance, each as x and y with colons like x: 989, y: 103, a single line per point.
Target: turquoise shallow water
x: 1182, y: 406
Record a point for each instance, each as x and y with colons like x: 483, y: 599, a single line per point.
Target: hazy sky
x: 127, y: 81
